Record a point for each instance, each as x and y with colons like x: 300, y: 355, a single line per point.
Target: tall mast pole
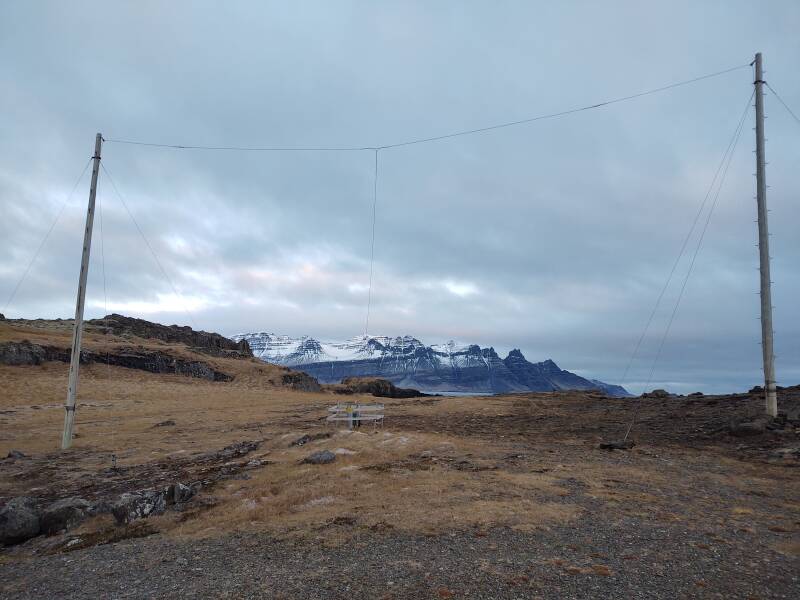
x: 763, y: 248
x: 77, y: 332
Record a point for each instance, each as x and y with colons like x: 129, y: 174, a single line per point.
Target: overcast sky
x: 554, y: 237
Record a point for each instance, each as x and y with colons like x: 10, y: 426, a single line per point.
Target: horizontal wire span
x: 344, y: 148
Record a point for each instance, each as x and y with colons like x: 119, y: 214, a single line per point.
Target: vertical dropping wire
x: 727, y: 163
x: 372, y: 246
x: 685, y: 244
x: 103, y: 257
x: 105, y: 310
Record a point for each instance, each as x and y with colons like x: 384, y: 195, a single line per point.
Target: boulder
x: 15, y: 454
x: 380, y: 388
x: 65, y: 514
x: 748, y: 428
x: 178, y: 493
x: 138, y: 505
x: 19, y: 521
x: 301, y: 441
x: 659, y: 393
x: 146, y: 503
x: 323, y: 457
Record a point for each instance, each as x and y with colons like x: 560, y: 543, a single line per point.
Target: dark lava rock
x: 303, y: 440
x: 323, y: 457
x: 749, y: 428
x: 696, y: 395
x: 139, y: 505
x: 618, y: 445
x: 26, y: 353
x: 64, y: 514
x: 22, y: 353
x: 233, y: 451
x: 178, y: 493
x: 146, y: 503
x: 19, y: 521
x: 380, y: 388
x: 15, y: 454
x: 297, y: 380
x: 659, y: 393
x: 167, y: 423
x: 199, y: 341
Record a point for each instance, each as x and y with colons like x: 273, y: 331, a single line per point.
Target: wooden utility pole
x: 763, y: 248
x: 77, y: 332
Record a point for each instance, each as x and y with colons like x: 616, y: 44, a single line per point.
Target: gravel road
x: 628, y: 557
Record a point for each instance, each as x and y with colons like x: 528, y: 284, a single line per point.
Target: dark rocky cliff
x: 27, y: 353
x: 213, y: 344
x: 478, y: 370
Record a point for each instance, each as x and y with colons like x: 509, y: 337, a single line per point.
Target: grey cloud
x: 554, y: 237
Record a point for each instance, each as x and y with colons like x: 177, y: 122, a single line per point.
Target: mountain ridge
x: 407, y: 362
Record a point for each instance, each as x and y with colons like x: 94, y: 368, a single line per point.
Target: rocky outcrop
x: 19, y: 521
x: 128, y: 493
x: 297, y: 380
x: 27, y: 353
x: 658, y: 393
x: 323, y: 457
x: 380, y: 388
x: 64, y: 514
x: 198, y: 341
x: 160, y: 362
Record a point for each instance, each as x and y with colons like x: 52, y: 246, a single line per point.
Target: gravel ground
x: 608, y: 552
x: 592, y: 559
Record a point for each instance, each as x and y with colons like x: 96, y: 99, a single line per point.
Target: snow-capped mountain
x: 407, y: 362
x: 288, y: 351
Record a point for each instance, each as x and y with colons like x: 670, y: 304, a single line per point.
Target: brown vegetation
x: 529, y: 463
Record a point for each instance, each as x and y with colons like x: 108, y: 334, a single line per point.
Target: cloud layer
x: 554, y: 237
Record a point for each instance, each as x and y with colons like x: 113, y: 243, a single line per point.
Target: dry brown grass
x: 433, y: 468
x: 379, y: 483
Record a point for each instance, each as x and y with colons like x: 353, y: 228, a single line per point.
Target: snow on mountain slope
x: 289, y: 351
